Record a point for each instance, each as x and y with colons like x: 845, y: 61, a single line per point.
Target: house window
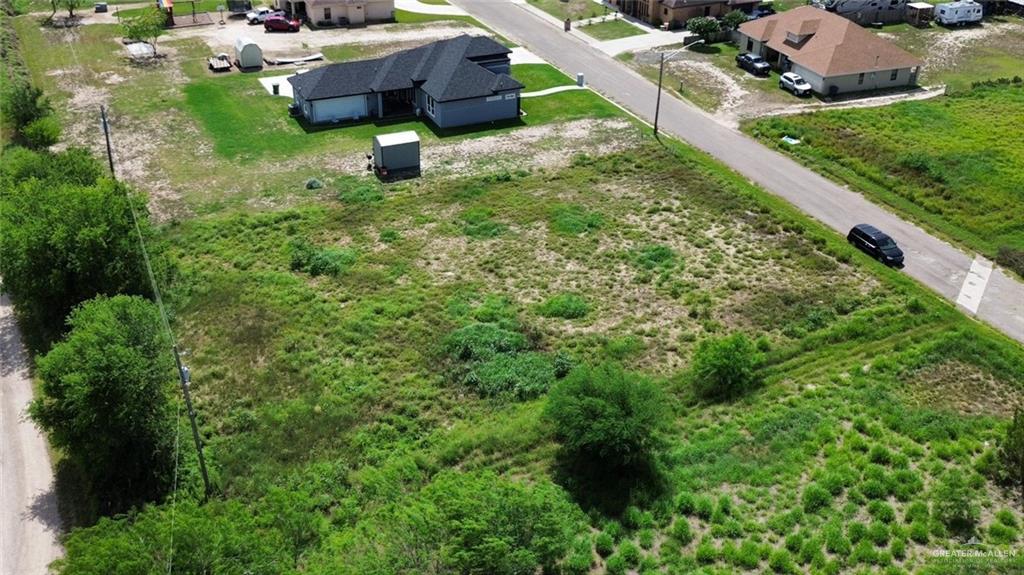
x: 893, y: 74
x: 664, y: 11
x: 327, y: 14
x: 750, y: 45
x: 860, y: 79
x: 707, y: 10
x: 430, y: 105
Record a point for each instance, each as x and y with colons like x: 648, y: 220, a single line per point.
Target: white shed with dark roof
x: 456, y: 82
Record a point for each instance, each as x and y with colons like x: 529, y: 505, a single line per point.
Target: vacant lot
x: 611, y: 30
x: 952, y: 163
x: 318, y: 328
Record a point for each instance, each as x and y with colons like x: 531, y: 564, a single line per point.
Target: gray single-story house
x: 456, y: 82
x: 833, y: 54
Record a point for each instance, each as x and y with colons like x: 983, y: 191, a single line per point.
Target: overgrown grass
x: 948, y: 162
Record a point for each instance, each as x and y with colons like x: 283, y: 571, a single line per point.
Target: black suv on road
x: 753, y: 63
x: 876, y: 244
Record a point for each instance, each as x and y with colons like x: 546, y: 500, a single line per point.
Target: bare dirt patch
x: 964, y: 388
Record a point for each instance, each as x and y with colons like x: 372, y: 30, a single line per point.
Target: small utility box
x: 396, y: 155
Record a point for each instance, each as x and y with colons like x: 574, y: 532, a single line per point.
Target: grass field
x: 951, y: 163
x: 572, y: 9
x: 338, y: 390
x: 540, y: 76
x: 611, y: 30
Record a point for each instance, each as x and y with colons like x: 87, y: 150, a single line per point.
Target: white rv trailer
x: 958, y: 13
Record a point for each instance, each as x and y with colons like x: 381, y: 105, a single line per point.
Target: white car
x: 259, y: 15
x: 795, y: 84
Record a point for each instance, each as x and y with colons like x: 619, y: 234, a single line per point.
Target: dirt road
x: 29, y: 522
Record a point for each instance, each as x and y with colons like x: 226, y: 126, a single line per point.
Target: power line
x: 184, y: 374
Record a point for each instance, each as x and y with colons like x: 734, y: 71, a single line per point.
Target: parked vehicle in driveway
x: 281, y: 24
x: 795, y: 84
x: 753, y: 63
x: 260, y: 15
x: 876, y: 244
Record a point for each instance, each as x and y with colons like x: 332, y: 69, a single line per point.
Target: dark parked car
x: 753, y: 63
x: 876, y: 244
x: 281, y: 24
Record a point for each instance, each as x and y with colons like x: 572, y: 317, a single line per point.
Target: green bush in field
x: 681, y: 531
x: 685, y: 503
x: 615, y: 565
x: 604, y: 544
x: 480, y: 341
x: 882, y: 511
x: 704, y: 507
x: 1006, y: 517
x: 816, y: 498
x: 645, y: 537
x: 780, y: 561
x: 953, y: 502
x: 1010, y: 454
x: 477, y: 223
x: 654, y: 256
x: 573, y: 220
x: 835, y: 542
x: 565, y: 306
x: 520, y: 376
x: 1001, y: 534
x: 916, y: 511
x: 316, y: 261
x: 725, y: 367
x: 878, y: 533
x: 42, y: 132
x: 919, y: 532
x: 748, y: 555
x: 706, y: 552
x: 361, y: 192
x: 630, y: 553
x: 604, y: 414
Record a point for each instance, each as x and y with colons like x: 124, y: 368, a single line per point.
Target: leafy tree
x: 148, y: 26
x: 1011, y: 453
x: 73, y: 166
x: 606, y: 415
x: 459, y: 523
x: 704, y: 26
x: 725, y: 367
x: 733, y: 19
x: 106, y: 399
x: 65, y: 243
x: 953, y: 502
x: 72, y: 5
x: 42, y: 133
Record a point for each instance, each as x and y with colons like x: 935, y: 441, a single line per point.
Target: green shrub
x: 615, y: 565
x: 880, y: 455
x: 604, y: 544
x: 898, y: 548
x: 361, y: 192
x: 748, y: 556
x: 856, y: 531
x: 864, y: 552
x: 706, y: 552
x: 1000, y: 534
x: 953, y: 502
x: 810, y: 551
x: 874, y: 489
x: 780, y: 561
x: 919, y: 532
x: 704, y: 507
x: 681, y: 531
x: 816, y: 498
x: 577, y: 564
x: 882, y: 511
x: 878, y: 533
x: 515, y: 376
x: 573, y: 220
x: 835, y: 542
x: 725, y: 367
x: 565, y: 306
x: 794, y: 542
x: 728, y: 527
x: 907, y: 484
x: 316, y: 261
x: 479, y: 341
x: 646, y: 538
x: 916, y: 511
x: 608, y: 416
x: 630, y: 553
x: 654, y: 257
x: 42, y: 132
x: 834, y: 483
x: 1006, y: 517
x: 389, y: 236
x: 685, y: 503
x: 477, y: 223
x: 23, y: 104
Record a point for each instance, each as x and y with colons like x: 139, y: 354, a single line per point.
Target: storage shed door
x: 341, y: 108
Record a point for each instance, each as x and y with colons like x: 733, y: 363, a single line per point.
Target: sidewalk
x: 651, y: 38
x: 554, y: 90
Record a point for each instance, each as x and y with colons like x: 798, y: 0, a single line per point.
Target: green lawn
x: 540, y: 76
x: 611, y: 30
x: 572, y: 9
x: 951, y: 163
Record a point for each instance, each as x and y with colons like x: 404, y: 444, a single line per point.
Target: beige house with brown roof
x: 675, y: 13
x: 833, y: 54
x: 339, y: 12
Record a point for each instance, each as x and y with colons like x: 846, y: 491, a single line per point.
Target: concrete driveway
x: 933, y: 262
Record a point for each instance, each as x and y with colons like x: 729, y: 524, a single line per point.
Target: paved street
x: 933, y: 262
x: 29, y: 521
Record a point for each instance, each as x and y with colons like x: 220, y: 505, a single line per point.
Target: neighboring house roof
x: 445, y: 70
x: 827, y: 44
x: 673, y: 4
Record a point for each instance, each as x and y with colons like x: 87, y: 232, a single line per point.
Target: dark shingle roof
x: 446, y: 69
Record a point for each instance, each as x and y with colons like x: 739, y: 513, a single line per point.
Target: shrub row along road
x: 29, y: 521
x: 933, y: 262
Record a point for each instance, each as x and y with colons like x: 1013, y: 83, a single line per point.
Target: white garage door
x: 340, y: 108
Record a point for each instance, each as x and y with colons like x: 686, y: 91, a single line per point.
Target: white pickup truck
x: 259, y: 15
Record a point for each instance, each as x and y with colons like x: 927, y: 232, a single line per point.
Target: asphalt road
x: 933, y: 262
x: 29, y: 522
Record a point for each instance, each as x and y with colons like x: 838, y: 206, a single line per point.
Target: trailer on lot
x: 396, y: 155
x: 958, y: 13
x: 920, y: 14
